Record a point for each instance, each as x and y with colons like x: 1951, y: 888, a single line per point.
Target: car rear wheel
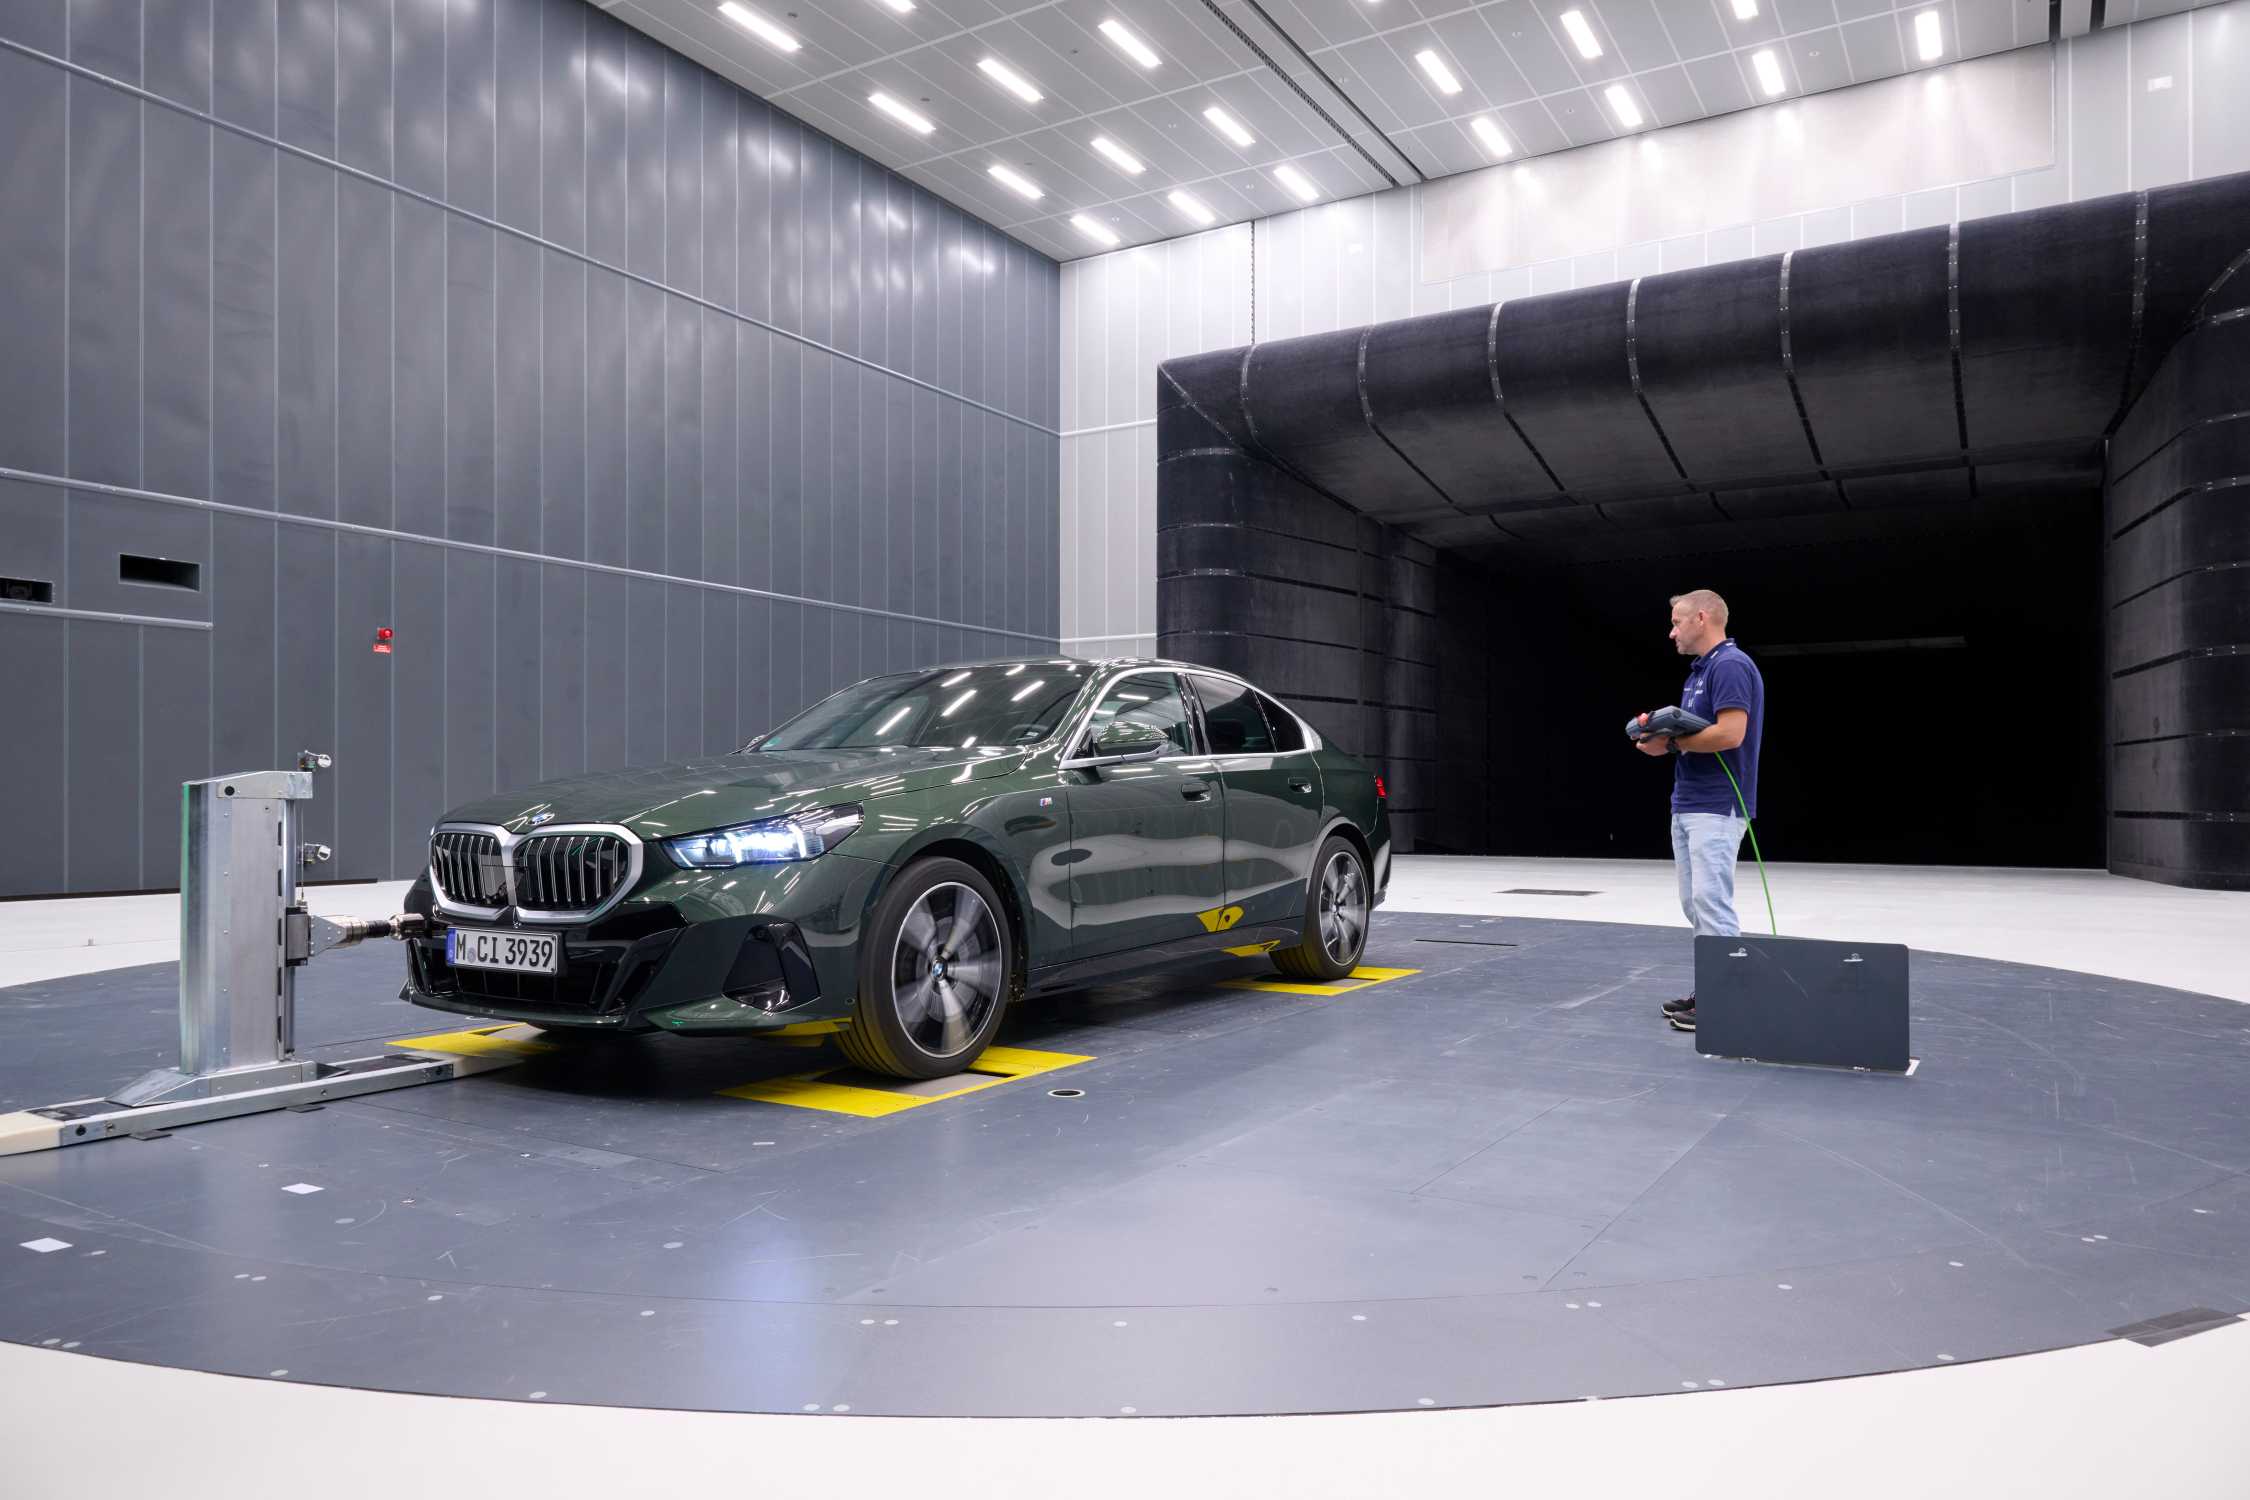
x: 935, y: 967
x: 1335, y: 917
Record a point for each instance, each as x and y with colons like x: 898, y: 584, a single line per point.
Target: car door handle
x: 1196, y: 791
x: 1300, y: 783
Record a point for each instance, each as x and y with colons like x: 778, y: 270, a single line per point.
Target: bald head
x: 1699, y: 621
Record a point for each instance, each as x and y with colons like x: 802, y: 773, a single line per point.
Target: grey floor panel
x: 1502, y: 1179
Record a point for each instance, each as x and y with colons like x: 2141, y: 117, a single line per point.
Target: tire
x: 936, y: 965
x: 1336, y: 908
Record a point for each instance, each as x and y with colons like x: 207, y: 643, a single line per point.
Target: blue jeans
x: 1704, y: 846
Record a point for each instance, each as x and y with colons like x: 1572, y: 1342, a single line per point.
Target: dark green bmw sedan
x: 905, y: 858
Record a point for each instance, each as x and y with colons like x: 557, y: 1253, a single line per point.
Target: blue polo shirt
x: 1722, y: 677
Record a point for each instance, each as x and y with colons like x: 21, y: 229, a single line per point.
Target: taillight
x: 1380, y: 794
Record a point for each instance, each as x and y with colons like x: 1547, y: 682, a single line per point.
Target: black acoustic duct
x: 1308, y: 487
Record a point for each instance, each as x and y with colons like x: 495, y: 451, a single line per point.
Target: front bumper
x: 749, y: 951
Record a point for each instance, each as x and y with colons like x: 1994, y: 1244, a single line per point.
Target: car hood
x: 666, y: 801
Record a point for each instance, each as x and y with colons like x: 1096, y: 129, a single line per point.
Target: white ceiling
x: 1328, y: 86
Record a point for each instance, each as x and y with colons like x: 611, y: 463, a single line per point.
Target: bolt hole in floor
x: 1258, y: 1199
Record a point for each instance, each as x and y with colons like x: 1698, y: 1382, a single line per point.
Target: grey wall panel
x: 470, y: 642
x: 609, y: 670
x: 364, y: 354
x: 243, y: 39
x: 304, y: 638
x: 521, y: 667
x: 418, y: 82
x: 243, y: 332
x: 518, y: 73
x: 243, y: 600
x: 32, y: 765
x: 520, y: 323
x: 683, y: 438
x: 175, y: 746
x: 469, y: 105
x: 418, y: 702
x: 223, y: 313
x: 418, y: 293
x: 105, y: 273
x: 34, y: 246
x: 365, y: 112
x: 175, y: 306
x: 470, y: 373
x: 103, y: 782
x: 361, y: 780
x: 305, y: 46
x: 305, y: 338
x: 562, y: 684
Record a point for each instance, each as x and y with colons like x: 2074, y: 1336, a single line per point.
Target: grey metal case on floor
x: 1799, y: 1000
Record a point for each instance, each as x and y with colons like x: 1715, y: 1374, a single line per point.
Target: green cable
x: 1753, y: 828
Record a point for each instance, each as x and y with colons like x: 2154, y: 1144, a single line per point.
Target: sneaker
x: 1683, y: 1020
x: 1674, y: 1007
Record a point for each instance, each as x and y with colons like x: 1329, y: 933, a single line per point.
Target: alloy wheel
x: 1343, y: 908
x: 946, y: 969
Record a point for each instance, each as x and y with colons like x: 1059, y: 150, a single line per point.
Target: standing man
x: 1723, y: 685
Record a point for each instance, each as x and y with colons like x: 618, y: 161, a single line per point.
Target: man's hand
x: 1654, y: 745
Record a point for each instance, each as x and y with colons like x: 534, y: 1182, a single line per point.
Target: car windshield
x: 995, y: 705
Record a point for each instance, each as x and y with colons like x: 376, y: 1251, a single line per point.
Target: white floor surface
x: 2107, y: 1420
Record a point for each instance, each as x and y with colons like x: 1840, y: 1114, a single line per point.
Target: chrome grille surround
x: 557, y: 875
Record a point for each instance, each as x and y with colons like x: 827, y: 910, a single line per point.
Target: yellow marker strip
x: 1219, y: 918
x: 812, y: 1090
x: 1252, y: 950
x: 484, y: 1041
x: 1358, y: 979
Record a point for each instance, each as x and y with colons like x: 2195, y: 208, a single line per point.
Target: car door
x: 1147, y: 838
x: 1272, y: 799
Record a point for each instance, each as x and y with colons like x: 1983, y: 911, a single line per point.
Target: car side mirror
x: 1121, y: 741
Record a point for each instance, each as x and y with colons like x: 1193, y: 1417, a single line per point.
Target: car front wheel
x: 934, y: 973
x: 1335, y: 917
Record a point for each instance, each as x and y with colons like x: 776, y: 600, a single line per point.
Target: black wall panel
x: 436, y: 397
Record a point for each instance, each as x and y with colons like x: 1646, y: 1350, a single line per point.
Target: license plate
x: 518, y: 952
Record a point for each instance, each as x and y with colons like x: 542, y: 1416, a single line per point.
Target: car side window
x: 1232, y: 719
x: 1288, y: 734
x: 1154, y: 701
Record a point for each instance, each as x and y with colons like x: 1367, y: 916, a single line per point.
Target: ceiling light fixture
x: 1438, y: 72
x: 1132, y: 46
x: 1016, y: 181
x: 1009, y: 79
x: 1929, y: 36
x: 913, y: 120
x: 1104, y: 236
x: 1190, y: 205
x: 1118, y: 157
x: 1768, y: 69
x: 1228, y: 126
x: 1746, y: 10
x: 759, y: 27
x: 903, y: 7
x: 1621, y: 104
x: 1581, y: 34
x: 1488, y: 131
x: 1297, y: 182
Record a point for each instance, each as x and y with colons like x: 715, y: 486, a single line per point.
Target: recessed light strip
x: 1621, y: 105
x: 1132, y: 46
x: 913, y: 120
x: 1746, y: 10
x: 1300, y: 186
x: 1929, y: 36
x: 1439, y: 74
x: 1100, y: 233
x: 1191, y: 206
x: 1009, y: 79
x: 1228, y: 126
x: 903, y: 7
x: 1118, y: 157
x: 1581, y: 35
x: 759, y: 27
x: 1489, y: 133
x: 1768, y: 69
x: 1015, y: 181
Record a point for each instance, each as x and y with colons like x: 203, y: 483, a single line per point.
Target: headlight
x: 804, y: 835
